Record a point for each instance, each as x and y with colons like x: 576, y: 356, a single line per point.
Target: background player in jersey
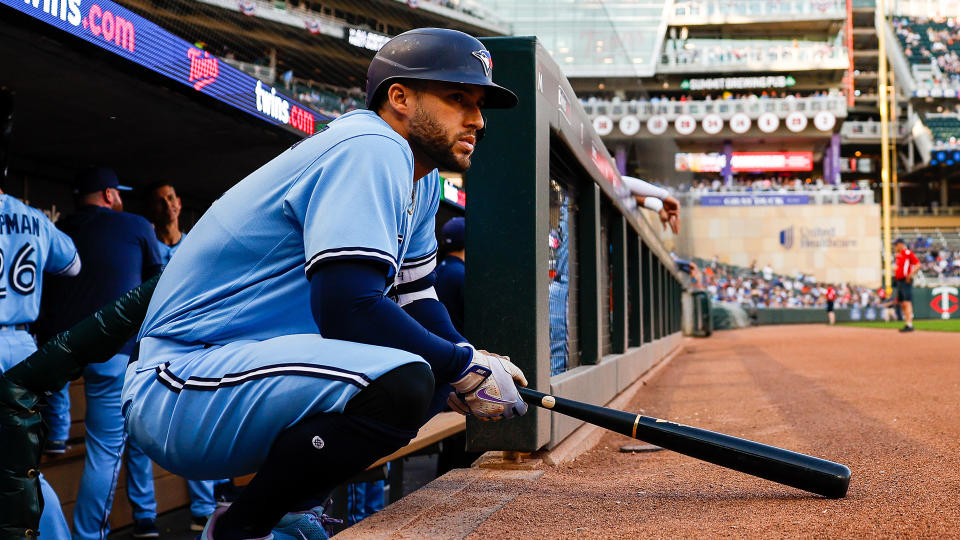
x: 907, y: 264
x: 29, y: 246
x: 163, y: 207
x: 831, y: 295
x: 451, y: 272
x: 296, y: 333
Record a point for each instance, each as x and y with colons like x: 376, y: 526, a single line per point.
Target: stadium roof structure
x: 76, y: 104
x: 154, y: 101
x: 331, y: 43
x: 617, y: 39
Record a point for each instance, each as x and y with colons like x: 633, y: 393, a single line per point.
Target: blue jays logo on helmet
x: 484, y: 57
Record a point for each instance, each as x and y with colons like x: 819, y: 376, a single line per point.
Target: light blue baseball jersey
x: 345, y: 192
x: 167, y: 251
x: 30, y: 245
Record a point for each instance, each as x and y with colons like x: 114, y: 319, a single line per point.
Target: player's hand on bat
x: 670, y: 214
x: 487, y: 388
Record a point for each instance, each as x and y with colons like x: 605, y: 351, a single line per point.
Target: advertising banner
x: 745, y: 162
x: 128, y: 35
x: 742, y: 199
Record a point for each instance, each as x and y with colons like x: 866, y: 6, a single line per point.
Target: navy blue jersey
x: 119, y: 251
x: 450, y: 284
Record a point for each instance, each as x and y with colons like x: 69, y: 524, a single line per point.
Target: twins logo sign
x: 945, y: 301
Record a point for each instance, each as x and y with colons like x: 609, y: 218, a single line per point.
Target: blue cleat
x: 310, y: 525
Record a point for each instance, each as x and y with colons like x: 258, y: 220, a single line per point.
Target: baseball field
x: 935, y: 325
x: 882, y: 403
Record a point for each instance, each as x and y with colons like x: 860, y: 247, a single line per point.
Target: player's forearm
x: 643, y: 188
x: 348, y: 304
x: 433, y: 316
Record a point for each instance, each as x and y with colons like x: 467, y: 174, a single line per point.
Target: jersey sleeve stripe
x: 71, y: 269
x: 404, y: 299
x: 417, y: 261
x: 351, y: 253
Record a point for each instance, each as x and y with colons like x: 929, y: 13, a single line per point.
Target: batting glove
x: 487, y: 388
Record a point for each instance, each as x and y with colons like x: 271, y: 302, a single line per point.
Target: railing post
x: 634, y: 290
x: 498, y: 302
x: 591, y: 297
x: 646, y: 279
x: 618, y: 239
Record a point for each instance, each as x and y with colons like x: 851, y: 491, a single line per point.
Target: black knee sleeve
x: 400, y: 397
x: 323, y: 451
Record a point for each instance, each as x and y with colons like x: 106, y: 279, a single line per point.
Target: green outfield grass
x: 935, y: 325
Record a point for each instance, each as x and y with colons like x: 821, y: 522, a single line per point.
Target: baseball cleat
x: 207, y: 533
x: 310, y: 525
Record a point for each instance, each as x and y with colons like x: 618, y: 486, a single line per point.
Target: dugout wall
x: 561, y: 275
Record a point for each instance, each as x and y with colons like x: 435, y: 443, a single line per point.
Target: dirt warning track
x: 883, y: 403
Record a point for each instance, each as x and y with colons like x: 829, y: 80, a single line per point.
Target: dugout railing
x: 561, y: 275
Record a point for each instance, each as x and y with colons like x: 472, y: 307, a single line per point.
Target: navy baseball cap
x: 452, y: 234
x: 97, y: 179
x: 899, y: 241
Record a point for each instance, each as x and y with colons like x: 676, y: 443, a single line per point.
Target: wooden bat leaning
x: 783, y: 466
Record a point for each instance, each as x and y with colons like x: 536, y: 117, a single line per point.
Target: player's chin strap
x: 93, y: 340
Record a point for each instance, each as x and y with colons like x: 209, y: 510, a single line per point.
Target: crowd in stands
x: 751, y: 183
x: 937, y: 260
x: 327, y: 99
x: 756, y: 287
x: 764, y: 94
x: 931, y: 40
x: 944, y: 129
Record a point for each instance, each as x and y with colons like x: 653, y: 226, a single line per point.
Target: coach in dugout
x: 119, y: 251
x: 907, y: 264
x: 297, y: 333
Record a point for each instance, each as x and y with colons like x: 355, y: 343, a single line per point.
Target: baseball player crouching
x: 297, y: 333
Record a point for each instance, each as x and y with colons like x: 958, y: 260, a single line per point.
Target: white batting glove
x: 487, y: 388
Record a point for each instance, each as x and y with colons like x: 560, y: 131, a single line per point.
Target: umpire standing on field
x: 119, y: 251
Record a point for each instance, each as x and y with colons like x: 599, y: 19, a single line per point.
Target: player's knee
x: 400, y: 397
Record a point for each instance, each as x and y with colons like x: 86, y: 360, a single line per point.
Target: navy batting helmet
x: 436, y: 54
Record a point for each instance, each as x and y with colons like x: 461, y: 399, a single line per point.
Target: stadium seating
x: 945, y: 129
x: 926, y: 40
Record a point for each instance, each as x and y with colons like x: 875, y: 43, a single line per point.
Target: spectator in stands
x: 119, y: 251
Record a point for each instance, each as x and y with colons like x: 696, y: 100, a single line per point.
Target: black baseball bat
x: 783, y: 466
